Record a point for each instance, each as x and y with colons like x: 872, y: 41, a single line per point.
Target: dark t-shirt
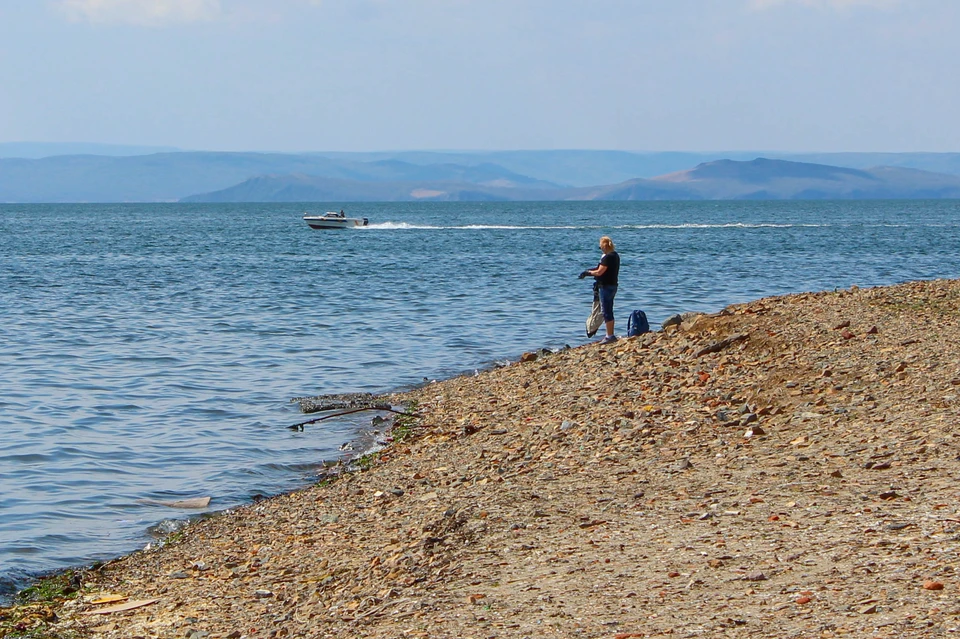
x: 612, y: 261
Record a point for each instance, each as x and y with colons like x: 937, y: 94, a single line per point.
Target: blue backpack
x: 637, y: 324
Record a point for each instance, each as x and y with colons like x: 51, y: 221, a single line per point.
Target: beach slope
x: 784, y: 468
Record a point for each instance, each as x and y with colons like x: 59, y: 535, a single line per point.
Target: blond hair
x: 606, y: 245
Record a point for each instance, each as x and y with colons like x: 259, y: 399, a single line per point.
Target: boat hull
x: 334, y: 222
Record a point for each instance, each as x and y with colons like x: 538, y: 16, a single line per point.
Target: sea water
x: 150, y: 352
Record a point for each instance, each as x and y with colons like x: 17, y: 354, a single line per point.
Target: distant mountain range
x: 453, y: 176
x: 758, y: 179
x: 168, y: 177
x: 48, y: 149
x: 766, y: 179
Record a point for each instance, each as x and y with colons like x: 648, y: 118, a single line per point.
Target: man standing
x: 606, y: 274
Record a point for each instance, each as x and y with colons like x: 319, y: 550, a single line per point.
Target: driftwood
x: 347, y: 412
x: 716, y: 347
x: 129, y: 605
x: 337, y: 402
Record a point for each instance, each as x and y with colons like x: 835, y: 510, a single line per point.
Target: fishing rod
x: 299, y: 427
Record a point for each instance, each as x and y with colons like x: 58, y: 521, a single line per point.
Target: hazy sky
x: 362, y: 75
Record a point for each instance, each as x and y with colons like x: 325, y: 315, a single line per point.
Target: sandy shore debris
x: 799, y: 481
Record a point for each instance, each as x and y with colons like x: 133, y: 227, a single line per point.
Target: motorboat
x: 334, y: 220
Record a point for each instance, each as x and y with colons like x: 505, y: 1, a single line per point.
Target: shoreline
x: 366, y: 442
x: 794, y: 481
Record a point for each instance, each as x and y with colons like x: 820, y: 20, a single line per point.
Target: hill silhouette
x: 761, y: 178
x: 451, y: 176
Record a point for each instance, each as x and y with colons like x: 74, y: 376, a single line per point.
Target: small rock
x: 804, y: 600
x: 673, y: 320
x: 528, y: 357
x: 932, y: 585
x: 755, y: 576
x: 262, y: 594
x: 843, y: 324
x: 178, y: 575
x: 868, y: 609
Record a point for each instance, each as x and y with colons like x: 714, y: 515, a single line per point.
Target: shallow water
x: 151, y: 351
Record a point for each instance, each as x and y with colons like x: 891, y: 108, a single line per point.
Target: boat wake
x: 398, y: 226
x: 394, y: 226
x: 467, y: 227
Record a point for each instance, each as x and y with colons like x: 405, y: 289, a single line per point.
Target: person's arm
x: 595, y: 272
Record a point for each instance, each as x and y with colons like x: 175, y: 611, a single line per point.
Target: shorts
x: 607, y: 293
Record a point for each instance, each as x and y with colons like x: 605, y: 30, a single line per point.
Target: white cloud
x: 141, y: 12
x: 825, y: 4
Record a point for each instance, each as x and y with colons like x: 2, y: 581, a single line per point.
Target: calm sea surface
x: 151, y: 351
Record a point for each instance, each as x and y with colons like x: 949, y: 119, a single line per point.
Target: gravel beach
x: 783, y: 468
